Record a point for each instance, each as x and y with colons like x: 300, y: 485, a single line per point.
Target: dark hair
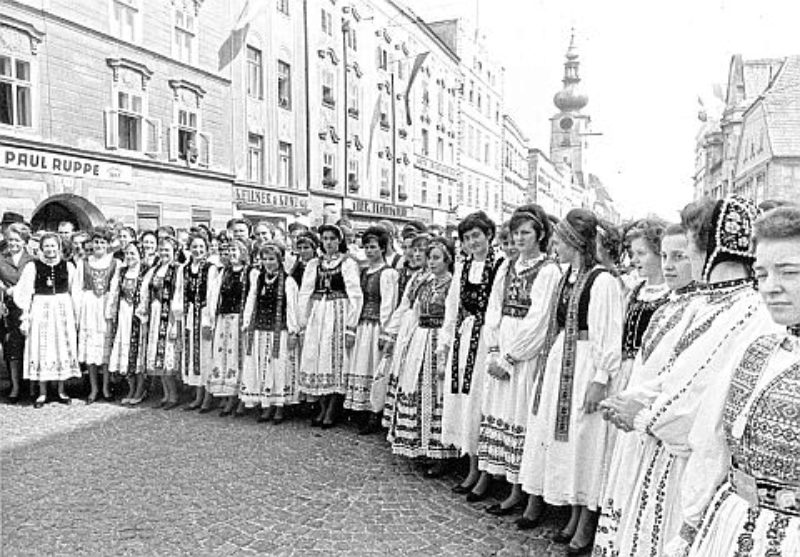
x: 584, y: 222
x: 421, y: 240
x: 268, y: 248
x: 200, y: 237
x: 135, y: 244
x: 611, y: 240
x: 651, y: 231
x: 377, y: 233
x: 479, y: 220
x: 505, y: 232
x: 412, y: 228
x: 336, y: 230
x: 222, y: 237
x: 240, y: 220
x: 447, y: 249
x: 697, y: 218
x: 169, y: 230
x: 391, y: 230
x: 541, y: 224
x: 147, y: 233
x: 102, y: 232
x: 307, y: 237
x: 130, y: 230
x: 778, y: 224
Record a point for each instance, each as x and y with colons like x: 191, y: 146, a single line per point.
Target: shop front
x: 364, y: 213
x: 277, y: 207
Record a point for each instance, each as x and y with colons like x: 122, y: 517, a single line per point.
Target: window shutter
x: 173, y: 143
x: 152, y: 136
x: 112, y: 128
x: 203, y: 149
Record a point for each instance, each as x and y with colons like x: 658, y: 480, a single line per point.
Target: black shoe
x: 498, y: 510
x: 64, y: 400
x: 12, y: 399
x: 473, y: 497
x: 206, y: 410
x: 459, y: 489
x: 562, y: 537
x: 191, y: 408
x: 583, y: 550
x: 225, y: 412
x: 525, y: 523
x: 171, y: 405
x: 91, y: 400
x: 40, y: 402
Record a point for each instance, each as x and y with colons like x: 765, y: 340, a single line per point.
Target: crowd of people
x: 646, y: 376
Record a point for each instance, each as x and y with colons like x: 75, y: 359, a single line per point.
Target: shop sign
x: 261, y: 200
x: 34, y: 160
x: 435, y: 167
x: 363, y: 207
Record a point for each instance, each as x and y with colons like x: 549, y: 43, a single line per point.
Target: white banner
x: 34, y: 160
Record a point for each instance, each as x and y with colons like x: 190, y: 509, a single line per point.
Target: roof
x: 781, y: 103
x: 757, y: 75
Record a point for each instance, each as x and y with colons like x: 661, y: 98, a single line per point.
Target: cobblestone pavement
x: 109, y: 480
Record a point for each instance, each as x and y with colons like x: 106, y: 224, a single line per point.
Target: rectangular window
x: 469, y: 192
x: 486, y: 153
x: 148, y: 216
x: 439, y: 191
x: 129, y: 121
x: 327, y: 89
x: 285, y: 165
x: 124, y: 19
x: 460, y: 192
x: 425, y: 143
x: 284, y: 85
x: 401, y: 69
x: 327, y: 22
x: 423, y: 190
x: 352, y: 44
x: 185, y: 36
x: 440, y: 101
x: 15, y: 92
x: 452, y: 152
x: 383, y: 58
x: 328, y: 170
x: 283, y: 6
x: 255, y: 158
x: 353, y: 180
x: 353, y: 98
x: 385, y: 191
x: 201, y: 216
x: 440, y: 149
x: 255, y: 81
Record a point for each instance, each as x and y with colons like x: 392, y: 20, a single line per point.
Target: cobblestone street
x: 107, y: 480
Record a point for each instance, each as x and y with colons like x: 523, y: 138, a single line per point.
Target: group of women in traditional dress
x: 660, y: 406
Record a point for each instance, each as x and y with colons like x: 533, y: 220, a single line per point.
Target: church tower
x: 569, y: 128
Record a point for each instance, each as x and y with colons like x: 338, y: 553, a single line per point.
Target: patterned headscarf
x: 732, y: 233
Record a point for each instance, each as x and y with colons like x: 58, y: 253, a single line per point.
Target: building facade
x: 516, y: 168
x: 549, y: 185
x: 115, y: 108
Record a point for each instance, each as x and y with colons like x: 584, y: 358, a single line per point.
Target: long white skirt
x: 93, y: 341
x: 653, y: 514
x: 730, y: 527
x: 325, y: 356
x: 565, y: 472
x: 269, y: 379
x: 119, y: 361
x: 228, y: 355
x: 171, y: 363
x: 461, y: 415
x: 51, y: 348
x: 415, y: 425
x: 198, y: 354
x: 364, y: 361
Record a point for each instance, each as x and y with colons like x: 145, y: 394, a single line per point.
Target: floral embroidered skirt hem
x: 364, y: 361
x: 268, y: 375
x: 94, y: 343
x: 120, y: 359
x: 51, y: 349
x: 325, y: 356
x: 226, y: 373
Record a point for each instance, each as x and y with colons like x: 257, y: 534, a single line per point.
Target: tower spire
x: 570, y: 99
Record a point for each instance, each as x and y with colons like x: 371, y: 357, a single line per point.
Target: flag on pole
x: 232, y: 46
x: 418, y: 61
x: 376, y: 116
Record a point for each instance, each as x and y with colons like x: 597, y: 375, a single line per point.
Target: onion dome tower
x: 571, y: 98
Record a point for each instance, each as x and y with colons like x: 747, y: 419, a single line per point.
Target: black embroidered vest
x: 371, y: 287
x: 270, y: 303
x: 232, y: 291
x: 637, y: 319
x: 51, y: 280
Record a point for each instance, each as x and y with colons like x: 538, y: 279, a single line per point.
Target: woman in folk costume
x: 92, y: 293
x: 127, y: 352
x: 307, y: 245
x: 741, y: 489
x: 226, y: 303
x: 516, y: 323
x: 462, y: 342
x: 399, y: 328
x: 271, y: 355
x: 379, y: 288
x: 565, y: 443
x: 330, y: 305
x: 415, y: 426
x: 149, y: 243
x: 11, y: 336
x: 729, y: 316
x: 161, y: 307
x: 199, y: 277
x: 43, y: 293
x: 661, y: 336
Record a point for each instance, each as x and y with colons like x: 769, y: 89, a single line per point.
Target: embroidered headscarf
x: 731, y: 236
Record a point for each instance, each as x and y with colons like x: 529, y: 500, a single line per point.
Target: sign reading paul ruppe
x: 367, y: 208
x: 435, y: 167
x: 36, y: 160
x: 266, y: 200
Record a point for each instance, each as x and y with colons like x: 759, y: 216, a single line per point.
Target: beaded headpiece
x: 570, y: 235
x: 731, y: 233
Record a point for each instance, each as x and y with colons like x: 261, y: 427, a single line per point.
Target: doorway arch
x: 66, y: 206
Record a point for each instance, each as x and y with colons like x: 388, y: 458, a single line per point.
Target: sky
x: 643, y: 64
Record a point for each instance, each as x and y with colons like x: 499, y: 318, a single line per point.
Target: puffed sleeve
x: 206, y: 318
x: 389, y: 278
x: 393, y: 325
x: 605, y: 327
x: 112, y: 296
x: 143, y: 311
x: 292, y: 292
x: 250, y: 303
x: 528, y: 337
x: 352, y: 284
x: 212, y: 301
x: 23, y: 292
x: 72, y: 278
x: 306, y: 290
x: 494, y: 309
x: 76, y: 287
x: 448, y: 331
